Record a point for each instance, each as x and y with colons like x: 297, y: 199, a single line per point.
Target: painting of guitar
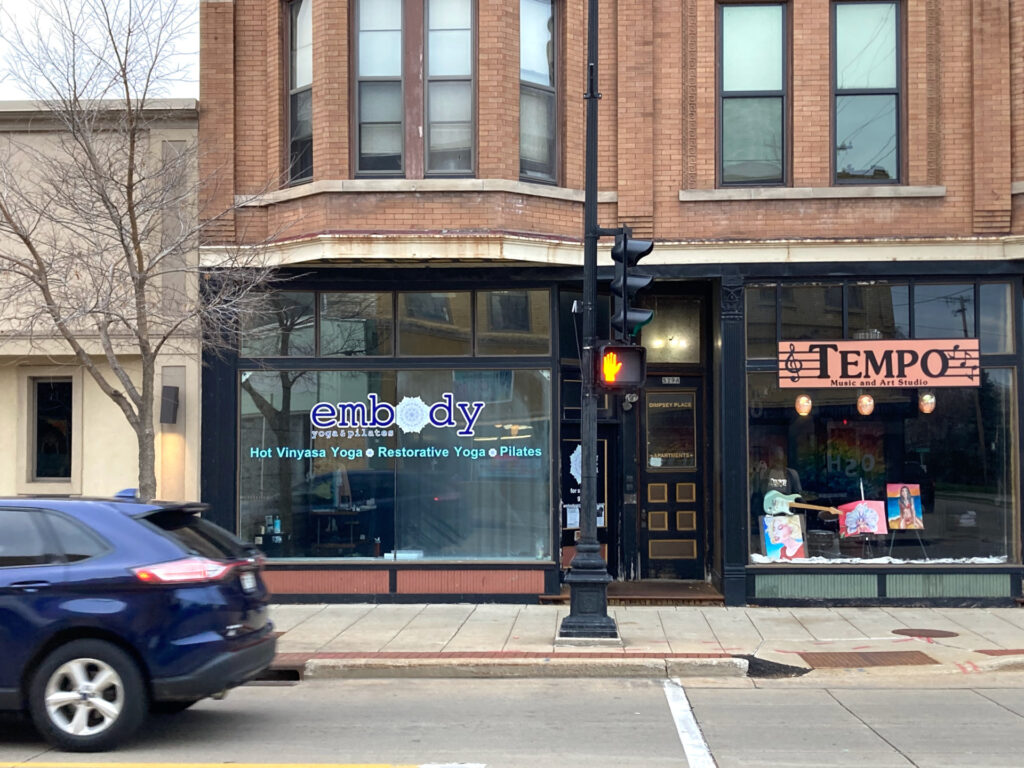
x: 777, y: 503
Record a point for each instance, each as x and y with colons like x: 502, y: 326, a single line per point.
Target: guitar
x: 777, y: 503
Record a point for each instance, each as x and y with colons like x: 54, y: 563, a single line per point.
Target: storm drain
x: 855, y: 659
x: 925, y: 632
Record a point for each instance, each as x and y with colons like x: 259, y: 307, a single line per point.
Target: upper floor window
x: 867, y: 94
x: 752, y: 91
x: 537, y: 93
x: 414, y: 91
x: 300, y: 90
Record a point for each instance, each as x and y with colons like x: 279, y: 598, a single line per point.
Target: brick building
x: 404, y: 423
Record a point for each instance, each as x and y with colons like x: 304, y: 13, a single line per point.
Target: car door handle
x: 30, y: 586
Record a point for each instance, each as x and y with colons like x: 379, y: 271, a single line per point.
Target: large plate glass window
x: 866, y: 79
x: 752, y: 133
x: 408, y: 464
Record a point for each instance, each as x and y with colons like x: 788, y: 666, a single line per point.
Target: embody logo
x: 410, y: 415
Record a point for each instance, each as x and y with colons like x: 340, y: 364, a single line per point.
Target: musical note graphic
x: 793, y: 366
x: 964, y: 356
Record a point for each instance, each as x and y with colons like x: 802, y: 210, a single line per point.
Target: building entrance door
x: 671, y: 501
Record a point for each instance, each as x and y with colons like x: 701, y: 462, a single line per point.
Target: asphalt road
x: 604, y: 723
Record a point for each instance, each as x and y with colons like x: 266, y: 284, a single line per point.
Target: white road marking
x: 698, y: 755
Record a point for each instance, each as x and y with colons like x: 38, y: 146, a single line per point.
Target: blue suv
x: 111, y: 608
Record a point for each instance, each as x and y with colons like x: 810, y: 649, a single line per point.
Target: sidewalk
x: 498, y: 640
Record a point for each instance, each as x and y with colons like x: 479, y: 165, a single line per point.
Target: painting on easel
x: 903, y: 502
x: 860, y: 517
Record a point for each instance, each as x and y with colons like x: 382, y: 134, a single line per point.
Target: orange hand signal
x: 611, y: 366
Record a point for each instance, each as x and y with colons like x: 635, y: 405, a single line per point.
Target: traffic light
x: 626, y: 252
x: 621, y: 366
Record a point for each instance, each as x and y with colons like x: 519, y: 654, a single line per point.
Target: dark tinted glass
x: 53, y: 429
x: 943, y: 311
x: 76, y: 542
x: 761, y: 341
x: 198, y: 536
x: 878, y: 311
x: 996, y: 319
x: 812, y: 312
x: 22, y: 542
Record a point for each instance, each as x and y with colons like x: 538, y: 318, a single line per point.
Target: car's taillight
x: 188, y: 570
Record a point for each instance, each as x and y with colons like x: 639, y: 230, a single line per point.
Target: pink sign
x: 886, y: 363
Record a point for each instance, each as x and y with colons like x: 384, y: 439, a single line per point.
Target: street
x: 838, y: 720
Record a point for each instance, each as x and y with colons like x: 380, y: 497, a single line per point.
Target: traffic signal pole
x: 588, y: 573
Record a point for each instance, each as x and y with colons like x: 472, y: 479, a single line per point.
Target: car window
x: 76, y: 541
x: 198, y: 536
x: 22, y: 542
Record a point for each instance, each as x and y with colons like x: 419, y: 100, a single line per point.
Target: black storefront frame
x: 740, y: 576
x: 727, y: 365
x: 220, y: 467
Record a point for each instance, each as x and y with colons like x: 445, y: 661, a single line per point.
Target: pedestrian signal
x: 621, y: 366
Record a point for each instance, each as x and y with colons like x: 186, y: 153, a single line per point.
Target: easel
x: 916, y: 532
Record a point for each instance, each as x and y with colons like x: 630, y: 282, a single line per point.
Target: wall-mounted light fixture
x: 926, y: 402
x: 168, y: 405
x: 803, y: 404
x: 865, y: 405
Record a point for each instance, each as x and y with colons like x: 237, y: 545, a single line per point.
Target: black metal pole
x: 588, y: 575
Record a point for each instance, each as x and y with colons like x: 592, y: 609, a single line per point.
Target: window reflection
x: 434, y: 324
x: 412, y: 489
x: 283, y: 327
x: 943, y: 311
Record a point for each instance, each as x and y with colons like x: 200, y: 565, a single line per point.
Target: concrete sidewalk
x: 497, y: 640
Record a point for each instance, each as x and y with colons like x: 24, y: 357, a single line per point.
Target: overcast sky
x: 189, y: 88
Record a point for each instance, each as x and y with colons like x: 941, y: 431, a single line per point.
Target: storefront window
x: 943, y: 311
x: 408, y: 464
x: 283, y: 328
x: 761, y: 314
x: 812, y: 311
x: 996, y: 319
x: 844, y: 472
x: 878, y: 311
x: 356, y: 324
x: 435, y: 324
x: 513, y: 322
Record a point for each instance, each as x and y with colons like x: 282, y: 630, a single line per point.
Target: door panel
x: 671, y: 500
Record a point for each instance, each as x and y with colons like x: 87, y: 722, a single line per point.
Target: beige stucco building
x: 61, y: 433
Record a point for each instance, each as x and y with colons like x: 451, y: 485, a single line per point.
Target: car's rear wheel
x: 87, y: 696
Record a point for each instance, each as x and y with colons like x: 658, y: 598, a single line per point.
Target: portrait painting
x: 903, y: 501
x: 783, y: 537
x: 859, y: 517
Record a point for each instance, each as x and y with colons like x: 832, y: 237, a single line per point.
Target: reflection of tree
x: 289, y: 318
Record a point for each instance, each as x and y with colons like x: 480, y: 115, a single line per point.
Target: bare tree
x: 99, y: 219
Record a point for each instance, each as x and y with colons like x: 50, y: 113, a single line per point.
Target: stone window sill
x: 886, y: 191
x: 381, y: 186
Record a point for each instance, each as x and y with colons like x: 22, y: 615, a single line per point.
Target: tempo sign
x: 879, y: 363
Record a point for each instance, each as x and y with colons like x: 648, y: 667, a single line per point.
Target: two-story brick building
x: 836, y: 194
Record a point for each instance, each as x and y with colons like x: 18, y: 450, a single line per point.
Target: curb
x: 326, y: 669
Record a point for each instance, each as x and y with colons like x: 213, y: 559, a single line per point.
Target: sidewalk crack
x: 892, y: 746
